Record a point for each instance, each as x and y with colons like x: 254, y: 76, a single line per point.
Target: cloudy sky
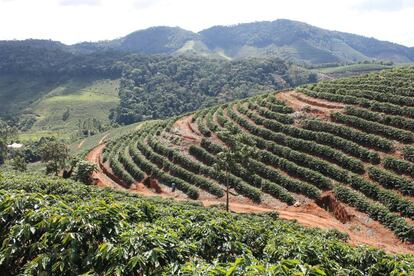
x: 71, y: 21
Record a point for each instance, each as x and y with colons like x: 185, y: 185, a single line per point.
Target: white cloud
x: 79, y: 2
x: 144, y: 4
x: 384, y: 5
x: 72, y: 21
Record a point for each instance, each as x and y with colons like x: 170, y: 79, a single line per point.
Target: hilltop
x: 285, y: 39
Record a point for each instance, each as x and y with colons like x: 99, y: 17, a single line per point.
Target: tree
x: 66, y: 115
x: 7, y: 134
x: 82, y: 170
x: 19, y: 163
x: 239, y: 150
x: 55, y: 154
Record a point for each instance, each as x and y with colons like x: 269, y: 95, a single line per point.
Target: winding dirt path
x: 98, y: 176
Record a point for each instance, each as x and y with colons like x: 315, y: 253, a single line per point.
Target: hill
x: 36, y: 90
x: 300, y: 42
x: 55, y: 226
x: 344, y: 146
x: 289, y: 40
x: 33, y: 71
x: 75, y: 106
x: 285, y: 39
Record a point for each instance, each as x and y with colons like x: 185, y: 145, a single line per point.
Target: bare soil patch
x: 309, y: 106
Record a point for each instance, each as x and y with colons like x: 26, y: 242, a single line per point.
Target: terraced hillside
x: 346, y: 145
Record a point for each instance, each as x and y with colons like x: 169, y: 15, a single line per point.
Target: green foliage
x: 316, y: 139
x: 55, y: 154
x: 294, y: 156
x: 159, y: 86
x: 90, y: 127
x: 259, y: 145
x: 53, y: 226
x: 390, y: 120
x: 32, y: 149
x: 373, y: 127
x: 390, y: 180
x: 399, y: 166
x: 391, y: 199
x: 7, y: 134
x: 388, y: 92
x: 396, y: 223
x: 408, y: 153
x: 345, y: 132
x: 66, y: 115
x: 19, y: 163
x: 82, y: 170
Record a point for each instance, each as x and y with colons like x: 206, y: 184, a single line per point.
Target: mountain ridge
x: 286, y: 39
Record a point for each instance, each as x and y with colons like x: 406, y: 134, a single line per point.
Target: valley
x: 263, y: 148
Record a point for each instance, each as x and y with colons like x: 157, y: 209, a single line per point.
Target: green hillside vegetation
x: 62, y: 109
x: 82, y: 146
x: 347, y: 70
x: 285, y: 39
x: 193, y: 70
x: 46, y: 88
x: 65, y: 109
x: 158, y: 87
x: 18, y: 92
x: 300, y: 42
x: 58, y: 227
x: 352, y: 155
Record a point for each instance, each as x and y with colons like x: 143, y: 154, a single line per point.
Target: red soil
x: 360, y: 229
x: 313, y: 107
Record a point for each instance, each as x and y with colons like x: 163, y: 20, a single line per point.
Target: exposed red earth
x: 361, y: 229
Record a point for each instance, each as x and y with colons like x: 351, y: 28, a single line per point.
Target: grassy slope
x: 18, y: 92
x: 84, y: 99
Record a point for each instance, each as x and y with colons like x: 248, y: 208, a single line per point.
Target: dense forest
x: 159, y: 86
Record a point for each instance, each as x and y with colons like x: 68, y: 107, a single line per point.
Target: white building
x: 15, y: 146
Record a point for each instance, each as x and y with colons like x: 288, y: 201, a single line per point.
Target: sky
x: 72, y: 21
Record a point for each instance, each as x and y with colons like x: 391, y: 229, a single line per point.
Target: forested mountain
x: 300, y: 42
x: 286, y: 39
x: 46, y: 58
